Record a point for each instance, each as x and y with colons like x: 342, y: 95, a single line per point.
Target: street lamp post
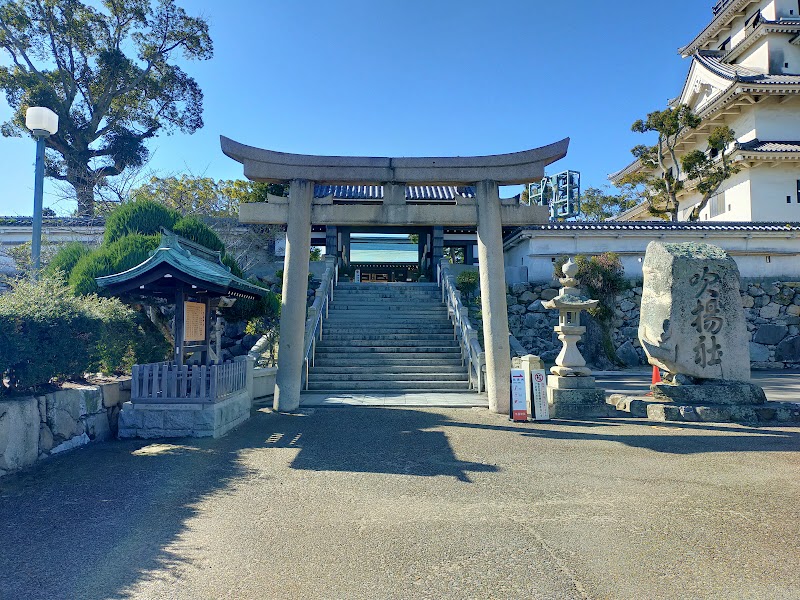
x: 43, y: 123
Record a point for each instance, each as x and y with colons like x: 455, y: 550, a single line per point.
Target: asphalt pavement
x: 368, y: 502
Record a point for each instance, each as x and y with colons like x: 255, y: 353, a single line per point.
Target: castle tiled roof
x: 375, y: 192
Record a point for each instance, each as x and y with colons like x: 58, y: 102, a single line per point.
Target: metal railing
x: 170, y: 383
x: 472, y: 355
x: 318, y: 312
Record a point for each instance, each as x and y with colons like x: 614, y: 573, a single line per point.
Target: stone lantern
x: 571, y: 390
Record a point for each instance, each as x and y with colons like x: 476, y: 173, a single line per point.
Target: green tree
x: 599, y: 205
x: 710, y: 170
x: 107, y: 69
x: 664, y: 175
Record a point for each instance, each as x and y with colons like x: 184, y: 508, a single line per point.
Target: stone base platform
x: 576, y: 397
x: 767, y: 413
x: 728, y: 393
x: 149, y: 421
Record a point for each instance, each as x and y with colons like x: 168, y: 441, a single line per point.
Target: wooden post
x: 180, y: 298
x: 207, y: 351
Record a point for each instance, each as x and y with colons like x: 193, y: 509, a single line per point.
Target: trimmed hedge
x: 195, y: 230
x: 119, y: 256
x: 140, y: 216
x: 47, y: 332
x: 66, y: 258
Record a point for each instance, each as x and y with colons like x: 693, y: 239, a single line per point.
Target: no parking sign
x: 540, y: 410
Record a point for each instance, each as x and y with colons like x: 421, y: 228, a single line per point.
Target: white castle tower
x: 745, y: 73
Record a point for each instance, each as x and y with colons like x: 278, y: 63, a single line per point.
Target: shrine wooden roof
x: 176, y: 263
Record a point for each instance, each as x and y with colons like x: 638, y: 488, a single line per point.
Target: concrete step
x: 345, y: 369
x: 420, y: 337
x: 358, y: 343
x: 380, y: 377
x: 414, y: 352
x: 385, y: 306
x: 363, y: 361
x: 400, y: 285
x: 388, y: 386
x: 389, y: 329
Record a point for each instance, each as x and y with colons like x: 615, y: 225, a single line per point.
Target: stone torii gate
x: 486, y: 212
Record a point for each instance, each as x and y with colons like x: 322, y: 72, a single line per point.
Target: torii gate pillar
x: 493, y: 296
x: 288, y: 381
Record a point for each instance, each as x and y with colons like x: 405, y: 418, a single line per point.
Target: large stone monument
x: 692, y: 326
x: 571, y: 389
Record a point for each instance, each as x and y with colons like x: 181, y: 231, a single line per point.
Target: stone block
x: 770, y: 311
x: 578, y: 403
x: 758, y: 353
x: 788, y: 350
x: 719, y: 392
x: 179, y: 420
x: 71, y: 444
x: 114, y: 394
x: 691, y: 302
x: 628, y: 355
x: 770, y: 334
x: 64, y: 410
x: 152, y: 418
x: 97, y: 427
x: 549, y: 294
x: 714, y: 414
x: 45, y: 438
x: 527, y: 297
x: 19, y: 433
x: 748, y: 302
x: 571, y: 383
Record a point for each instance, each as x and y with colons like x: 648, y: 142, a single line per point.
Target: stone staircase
x: 387, y: 337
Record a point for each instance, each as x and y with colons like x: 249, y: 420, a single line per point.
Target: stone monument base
x: 191, y: 419
x: 736, y: 393
x: 576, y: 397
x: 768, y: 413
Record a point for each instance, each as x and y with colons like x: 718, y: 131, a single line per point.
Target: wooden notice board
x: 194, y: 321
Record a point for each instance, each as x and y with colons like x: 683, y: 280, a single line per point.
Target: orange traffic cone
x: 656, y: 378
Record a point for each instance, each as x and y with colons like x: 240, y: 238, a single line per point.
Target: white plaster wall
x: 744, y: 125
x: 770, y: 186
x: 778, y: 122
x: 757, y: 57
x: 749, y: 249
x: 786, y: 9
x: 791, y: 55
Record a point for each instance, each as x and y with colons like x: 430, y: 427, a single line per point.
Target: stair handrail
x: 471, y: 352
x: 318, y: 312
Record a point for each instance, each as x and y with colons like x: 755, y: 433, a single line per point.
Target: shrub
x: 66, y: 258
x: 46, y: 332
x: 467, y: 282
x: 268, y: 307
x: 119, y: 256
x: 141, y: 216
x: 195, y: 230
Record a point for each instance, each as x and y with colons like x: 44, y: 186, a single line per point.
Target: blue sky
x: 417, y: 78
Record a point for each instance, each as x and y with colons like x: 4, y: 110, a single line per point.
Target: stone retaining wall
x: 772, y: 310
x: 35, y: 427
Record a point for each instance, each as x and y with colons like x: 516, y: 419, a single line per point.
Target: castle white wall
x: 770, y: 188
x: 756, y: 57
x: 758, y: 254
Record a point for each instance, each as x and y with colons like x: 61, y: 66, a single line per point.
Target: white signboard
x: 519, y: 409
x: 280, y: 245
x: 357, y: 277
x: 540, y: 410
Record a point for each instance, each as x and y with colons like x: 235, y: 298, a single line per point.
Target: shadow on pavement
x: 669, y: 438
x: 94, y: 522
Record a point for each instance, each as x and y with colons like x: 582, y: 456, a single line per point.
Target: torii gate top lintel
x: 505, y: 169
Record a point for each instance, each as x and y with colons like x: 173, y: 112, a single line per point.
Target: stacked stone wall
x: 772, y: 310
x: 35, y: 427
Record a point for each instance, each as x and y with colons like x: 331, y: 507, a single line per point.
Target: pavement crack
x: 562, y: 564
